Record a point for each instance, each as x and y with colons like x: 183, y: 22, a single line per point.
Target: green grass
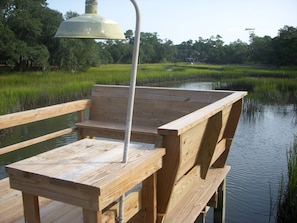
x: 21, y: 91
x: 287, y: 201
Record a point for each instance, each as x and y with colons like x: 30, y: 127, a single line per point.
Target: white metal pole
x: 132, y: 82
x: 131, y: 99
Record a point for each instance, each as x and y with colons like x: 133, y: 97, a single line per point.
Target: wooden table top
x: 82, y: 171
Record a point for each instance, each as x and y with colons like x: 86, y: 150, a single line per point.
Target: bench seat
x: 195, y: 195
x: 147, y: 134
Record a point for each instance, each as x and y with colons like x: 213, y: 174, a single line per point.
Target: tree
x: 185, y: 50
x: 150, y: 47
x: 49, y: 29
x: 261, y: 49
x: 77, y: 54
x: 236, y: 52
x: 214, y: 46
x: 27, y: 42
x: 285, y: 46
x: 23, y: 19
x: 167, y: 51
x: 8, y: 46
x: 120, y: 51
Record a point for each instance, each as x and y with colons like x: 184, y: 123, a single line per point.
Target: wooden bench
x: 195, y: 127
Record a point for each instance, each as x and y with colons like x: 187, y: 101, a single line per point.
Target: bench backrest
x: 153, y: 106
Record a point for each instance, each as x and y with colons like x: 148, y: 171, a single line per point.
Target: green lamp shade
x: 90, y: 26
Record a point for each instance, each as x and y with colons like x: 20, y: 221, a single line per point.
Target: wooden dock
x: 187, y: 134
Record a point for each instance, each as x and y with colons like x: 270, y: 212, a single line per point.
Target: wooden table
x: 87, y: 173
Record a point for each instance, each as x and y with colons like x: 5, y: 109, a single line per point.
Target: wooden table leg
x: 91, y: 216
x: 148, y: 213
x: 31, y: 208
x: 149, y: 197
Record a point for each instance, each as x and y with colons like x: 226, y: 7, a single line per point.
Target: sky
x: 183, y: 20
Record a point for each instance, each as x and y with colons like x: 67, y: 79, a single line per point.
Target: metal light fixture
x: 92, y: 26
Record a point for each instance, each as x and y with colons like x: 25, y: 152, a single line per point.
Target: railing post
x: 81, y: 118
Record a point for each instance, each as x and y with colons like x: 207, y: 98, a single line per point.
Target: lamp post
x: 92, y: 26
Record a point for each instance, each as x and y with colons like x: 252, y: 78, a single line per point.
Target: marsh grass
x: 287, y: 198
x: 267, y: 90
x: 20, y: 91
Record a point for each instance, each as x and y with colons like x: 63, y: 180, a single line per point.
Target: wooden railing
x: 25, y: 117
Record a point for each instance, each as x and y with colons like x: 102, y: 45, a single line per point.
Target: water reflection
x: 252, y: 110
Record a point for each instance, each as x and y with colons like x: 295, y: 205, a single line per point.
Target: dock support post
x: 202, y: 217
x: 219, y: 211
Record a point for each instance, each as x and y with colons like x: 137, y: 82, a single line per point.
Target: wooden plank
x: 229, y: 131
x: 187, y: 122
x: 190, y: 146
x: 109, y: 109
x: 167, y: 176
x: 221, y: 147
x: 149, y: 196
x: 151, y: 104
x: 193, y: 202
x: 199, y: 144
x: 183, y: 186
x: 161, y: 93
x: 233, y: 119
x: 118, y: 134
x: 146, y: 112
x: 226, y: 112
x: 36, y: 140
x: 20, y: 118
x: 148, y: 212
x: 157, y: 113
x: 220, y: 160
x: 92, y: 128
x: 115, y: 126
x: 208, y: 143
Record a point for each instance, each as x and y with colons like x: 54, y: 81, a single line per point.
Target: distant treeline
x: 27, y: 29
